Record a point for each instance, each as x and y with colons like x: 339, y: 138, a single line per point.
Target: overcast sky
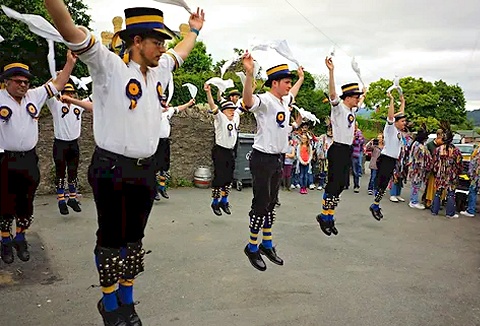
x: 421, y: 38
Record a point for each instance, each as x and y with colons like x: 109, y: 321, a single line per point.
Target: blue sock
x: 161, y: 188
x: 125, y: 291
x: 20, y: 236
x: 224, y: 200
x: 215, y: 201
x: 6, y: 239
x: 110, y: 301
x: 252, y: 247
x: 375, y: 206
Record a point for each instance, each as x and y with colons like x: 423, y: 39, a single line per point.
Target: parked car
x: 461, y: 192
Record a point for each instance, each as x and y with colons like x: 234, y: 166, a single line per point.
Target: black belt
x: 114, y: 157
x: 19, y: 154
x: 66, y: 141
x: 341, y: 144
x: 267, y: 154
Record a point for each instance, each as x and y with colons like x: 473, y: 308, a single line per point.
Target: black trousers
x: 339, y: 163
x: 223, y: 166
x: 266, y: 175
x: 66, y: 155
x: 162, y: 155
x: 385, y: 165
x: 20, y: 176
x: 123, y: 189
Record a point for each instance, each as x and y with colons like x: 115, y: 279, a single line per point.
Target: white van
x: 457, y: 138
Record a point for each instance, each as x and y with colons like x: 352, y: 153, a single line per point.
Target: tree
x: 425, y: 101
x: 21, y: 45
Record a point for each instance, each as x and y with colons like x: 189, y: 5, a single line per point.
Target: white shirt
x: 226, y: 131
x: 343, y: 122
x: 392, y: 139
x: 273, y: 117
x: 19, y: 132
x: 119, y: 126
x: 67, y: 119
x: 165, y: 127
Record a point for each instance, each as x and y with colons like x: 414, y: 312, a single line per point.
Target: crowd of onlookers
x: 435, y: 171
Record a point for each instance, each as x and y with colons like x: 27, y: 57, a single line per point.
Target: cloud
x: 420, y: 38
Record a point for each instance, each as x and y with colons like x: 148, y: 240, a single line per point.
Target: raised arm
x: 63, y: 21
x: 391, y: 108
x: 331, y: 80
x: 362, y: 98
x: 211, y: 102
x: 301, y: 76
x: 248, y: 87
x: 182, y: 107
x: 87, y: 105
x: 62, y: 77
x: 184, y: 47
x: 402, y: 104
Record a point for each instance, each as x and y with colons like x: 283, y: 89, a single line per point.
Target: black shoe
x: 324, y: 225
x: 62, y: 206
x: 255, y: 259
x: 225, y: 207
x: 376, y: 213
x: 111, y: 318
x: 6, y: 252
x: 164, y: 194
x: 157, y: 196
x: 22, y: 249
x: 216, y: 209
x: 129, y: 314
x: 271, y: 255
x: 278, y: 204
x: 333, y: 228
x: 73, y: 203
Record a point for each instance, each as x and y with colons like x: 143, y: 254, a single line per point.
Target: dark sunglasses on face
x: 21, y: 81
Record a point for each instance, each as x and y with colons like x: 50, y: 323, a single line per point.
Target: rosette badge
x: 134, y: 92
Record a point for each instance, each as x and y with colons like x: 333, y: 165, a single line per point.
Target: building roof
x: 468, y: 133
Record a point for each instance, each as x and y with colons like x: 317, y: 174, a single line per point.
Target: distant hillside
x: 366, y: 113
x: 475, y: 116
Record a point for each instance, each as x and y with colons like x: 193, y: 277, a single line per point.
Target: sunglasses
x: 21, y: 81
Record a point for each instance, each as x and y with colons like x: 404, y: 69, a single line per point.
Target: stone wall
x: 192, y: 140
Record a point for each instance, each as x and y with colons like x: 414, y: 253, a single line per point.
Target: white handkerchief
x: 357, y: 70
x: 179, y: 3
x: 1, y: 39
x: 81, y: 82
x: 37, y: 24
x: 332, y: 52
x: 171, y: 88
x: 227, y: 65
x: 51, y: 59
x: 242, y: 76
x: 307, y: 114
x: 396, y: 85
x: 192, y: 89
x: 221, y: 84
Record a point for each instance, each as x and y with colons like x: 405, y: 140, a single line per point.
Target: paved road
x: 410, y: 269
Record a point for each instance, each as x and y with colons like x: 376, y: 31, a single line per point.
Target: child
x: 288, y: 165
x: 376, y: 147
x: 304, y: 157
x: 227, y: 121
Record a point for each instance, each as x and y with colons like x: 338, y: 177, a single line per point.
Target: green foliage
x: 21, y: 45
x: 424, y: 101
x: 180, y: 182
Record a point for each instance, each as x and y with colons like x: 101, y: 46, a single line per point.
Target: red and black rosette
x: 5, y: 113
x: 77, y: 113
x: 350, y: 119
x: 32, y: 110
x: 134, y: 92
x: 65, y: 111
x: 280, y: 119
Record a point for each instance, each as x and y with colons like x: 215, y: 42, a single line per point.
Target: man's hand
x: 66, y: 99
x: 329, y: 63
x: 300, y: 72
x: 390, y: 96
x: 196, y: 19
x: 191, y: 102
x: 402, y: 99
x: 248, y: 63
x: 71, y: 57
x: 207, y: 88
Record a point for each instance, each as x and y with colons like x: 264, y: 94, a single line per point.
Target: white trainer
x: 320, y: 188
x: 467, y: 214
x: 452, y: 216
x: 400, y: 199
x: 394, y: 199
x: 312, y: 187
x: 417, y: 205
